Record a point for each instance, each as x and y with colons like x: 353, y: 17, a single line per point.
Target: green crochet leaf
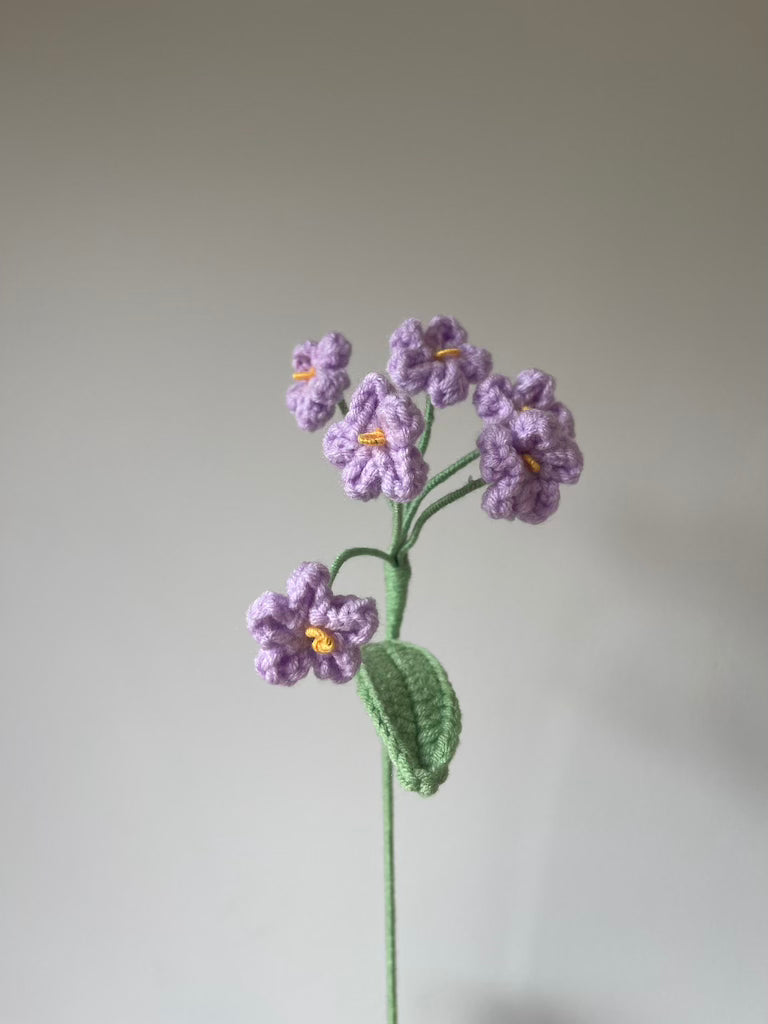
x: 414, y: 708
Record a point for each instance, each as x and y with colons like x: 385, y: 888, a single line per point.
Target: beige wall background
x: 189, y: 189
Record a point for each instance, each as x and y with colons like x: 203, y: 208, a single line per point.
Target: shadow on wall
x: 525, y: 1012
x: 482, y: 1008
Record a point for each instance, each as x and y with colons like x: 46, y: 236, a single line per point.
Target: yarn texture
x: 309, y: 627
x: 525, y: 460
x: 375, y: 443
x: 438, y: 360
x: 498, y: 399
x: 408, y: 695
x: 320, y: 378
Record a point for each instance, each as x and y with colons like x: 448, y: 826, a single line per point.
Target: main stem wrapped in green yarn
x: 397, y: 575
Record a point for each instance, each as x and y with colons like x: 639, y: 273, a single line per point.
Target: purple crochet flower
x: 374, y: 445
x: 438, y: 360
x: 320, y: 379
x: 524, y: 462
x: 498, y: 399
x: 310, y: 628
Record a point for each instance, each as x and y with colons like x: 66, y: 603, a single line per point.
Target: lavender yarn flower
x: 497, y: 399
x: 310, y: 628
x: 524, y: 462
x: 374, y: 445
x: 438, y: 360
x: 320, y: 380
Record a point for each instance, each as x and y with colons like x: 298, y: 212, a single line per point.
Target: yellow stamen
x: 375, y: 437
x: 526, y: 408
x: 305, y: 374
x: 322, y: 642
x: 532, y: 464
x: 444, y: 353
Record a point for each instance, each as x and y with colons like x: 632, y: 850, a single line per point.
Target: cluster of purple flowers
x: 527, y: 446
x: 527, y: 450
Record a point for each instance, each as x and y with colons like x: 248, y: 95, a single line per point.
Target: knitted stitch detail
x: 408, y: 695
x: 418, y: 361
x: 396, y: 468
x: 320, y: 380
x: 309, y: 627
x: 497, y: 399
x: 525, y: 461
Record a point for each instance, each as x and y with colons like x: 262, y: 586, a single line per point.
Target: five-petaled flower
x: 320, y: 380
x: 497, y: 399
x: 374, y: 445
x: 524, y: 461
x: 437, y: 360
x: 310, y: 627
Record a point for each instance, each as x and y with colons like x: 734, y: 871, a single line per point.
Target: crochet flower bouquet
x: 526, y: 450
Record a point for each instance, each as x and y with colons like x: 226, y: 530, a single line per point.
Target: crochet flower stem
x: 397, y: 575
x: 389, y: 885
x: 435, y: 481
x: 355, y: 553
x: 343, y: 407
x: 429, y: 419
x: 397, y: 572
x: 433, y: 509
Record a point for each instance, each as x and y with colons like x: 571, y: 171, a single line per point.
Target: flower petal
x: 476, y: 363
x: 354, y: 619
x: 498, y: 456
x: 403, y: 472
x: 283, y: 667
x: 493, y: 399
x: 564, y: 463
x: 308, y: 586
x: 313, y: 402
x: 448, y: 384
x: 564, y: 417
x: 401, y: 420
x: 537, y: 501
x: 410, y: 363
x: 333, y: 352
x: 536, y: 432
x: 340, y: 444
x: 339, y: 667
x: 361, y: 476
x: 272, y: 620
x: 499, y: 498
x: 444, y: 332
x: 303, y: 356
x: 534, y: 388
x: 364, y: 403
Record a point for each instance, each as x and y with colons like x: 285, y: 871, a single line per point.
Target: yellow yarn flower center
x: 532, y: 464
x: 374, y: 437
x: 447, y: 353
x: 305, y: 374
x: 322, y: 642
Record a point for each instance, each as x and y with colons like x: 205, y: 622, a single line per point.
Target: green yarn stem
x: 398, y: 533
x: 389, y: 885
x: 433, y: 509
x: 397, y: 576
x: 343, y: 407
x: 355, y: 553
x: 435, y: 481
x: 429, y: 419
